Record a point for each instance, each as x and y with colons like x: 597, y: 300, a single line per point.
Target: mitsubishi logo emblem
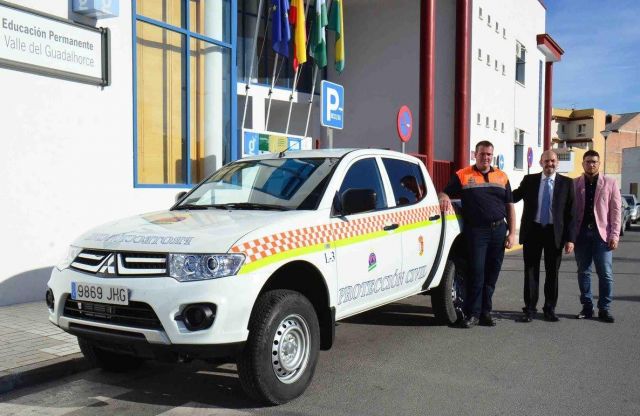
x: 108, y: 266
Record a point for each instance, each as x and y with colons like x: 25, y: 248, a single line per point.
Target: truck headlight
x: 72, y: 253
x: 190, y: 267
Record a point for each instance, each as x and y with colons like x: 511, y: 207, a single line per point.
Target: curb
x: 42, y: 372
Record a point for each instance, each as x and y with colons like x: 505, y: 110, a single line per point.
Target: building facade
x: 79, y: 153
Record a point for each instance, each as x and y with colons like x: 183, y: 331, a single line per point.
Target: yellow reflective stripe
x: 255, y: 265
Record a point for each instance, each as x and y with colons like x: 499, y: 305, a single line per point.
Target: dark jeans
x: 486, y: 252
x: 591, y: 249
x: 541, y: 239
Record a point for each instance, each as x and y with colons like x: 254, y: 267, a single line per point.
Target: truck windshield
x: 274, y: 184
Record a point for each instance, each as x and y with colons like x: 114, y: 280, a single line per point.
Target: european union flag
x: 280, y: 31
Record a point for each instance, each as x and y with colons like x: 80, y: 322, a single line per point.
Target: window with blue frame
x: 183, y: 89
x: 264, y: 55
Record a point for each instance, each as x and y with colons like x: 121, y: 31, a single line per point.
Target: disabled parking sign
x: 332, y: 106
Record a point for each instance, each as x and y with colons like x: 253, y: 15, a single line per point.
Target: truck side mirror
x: 354, y: 201
x: 180, y: 195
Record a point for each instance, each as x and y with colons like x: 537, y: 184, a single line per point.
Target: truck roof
x: 324, y: 153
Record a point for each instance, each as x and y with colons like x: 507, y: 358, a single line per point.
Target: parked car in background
x: 634, y: 205
x: 625, y: 212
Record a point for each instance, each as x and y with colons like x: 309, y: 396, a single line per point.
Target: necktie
x: 545, y: 208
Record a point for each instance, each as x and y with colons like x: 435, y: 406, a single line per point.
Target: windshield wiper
x: 252, y: 205
x: 191, y: 206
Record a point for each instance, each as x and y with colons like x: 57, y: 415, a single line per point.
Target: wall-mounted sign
x: 258, y: 142
x: 98, y: 9
x: 404, y: 123
x: 529, y: 157
x: 332, y: 107
x: 37, y: 42
x: 501, y: 162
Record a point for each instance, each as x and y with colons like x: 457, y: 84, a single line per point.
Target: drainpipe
x: 463, y: 83
x: 427, y: 80
x: 548, y: 87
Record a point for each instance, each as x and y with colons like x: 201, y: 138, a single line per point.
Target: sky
x: 601, y: 63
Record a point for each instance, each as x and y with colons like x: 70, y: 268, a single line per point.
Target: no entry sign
x: 405, y: 123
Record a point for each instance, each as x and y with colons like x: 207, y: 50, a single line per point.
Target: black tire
x: 621, y: 230
x: 278, y: 317
x: 627, y: 225
x: 446, y: 299
x: 107, y: 360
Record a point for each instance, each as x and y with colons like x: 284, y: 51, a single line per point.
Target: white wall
x: 66, y: 162
x: 498, y: 96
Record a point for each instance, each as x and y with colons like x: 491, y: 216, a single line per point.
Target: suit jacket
x: 562, y: 208
x: 606, y: 206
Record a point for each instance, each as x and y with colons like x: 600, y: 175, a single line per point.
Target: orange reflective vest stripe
x: 473, y: 178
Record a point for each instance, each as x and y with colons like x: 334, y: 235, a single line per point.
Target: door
x: 368, y: 246
x: 416, y: 206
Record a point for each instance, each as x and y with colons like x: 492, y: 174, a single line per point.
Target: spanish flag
x: 297, y: 20
x: 336, y: 23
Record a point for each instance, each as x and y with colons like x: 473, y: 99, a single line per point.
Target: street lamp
x: 605, y: 134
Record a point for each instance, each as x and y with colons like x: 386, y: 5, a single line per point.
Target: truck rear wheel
x: 280, y: 356
x: 446, y: 299
x: 107, y: 360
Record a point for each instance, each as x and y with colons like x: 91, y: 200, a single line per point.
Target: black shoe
x: 605, y: 316
x: 487, y: 320
x: 470, y: 322
x: 585, y: 313
x: 550, y: 316
x: 527, y: 317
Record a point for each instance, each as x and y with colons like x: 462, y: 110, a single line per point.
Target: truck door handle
x: 391, y: 227
x: 434, y: 217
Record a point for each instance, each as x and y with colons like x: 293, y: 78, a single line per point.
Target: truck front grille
x: 136, y: 314
x: 108, y: 263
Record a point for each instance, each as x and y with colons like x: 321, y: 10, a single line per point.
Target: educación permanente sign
x: 41, y: 43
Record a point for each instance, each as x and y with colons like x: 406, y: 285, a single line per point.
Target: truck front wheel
x: 446, y: 299
x: 279, y: 358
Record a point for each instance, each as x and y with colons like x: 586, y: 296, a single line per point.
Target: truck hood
x: 198, y: 231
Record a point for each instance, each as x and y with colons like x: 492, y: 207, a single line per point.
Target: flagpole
x: 295, y: 84
x: 273, y: 83
x: 253, y: 56
x: 313, y: 89
x: 298, y: 69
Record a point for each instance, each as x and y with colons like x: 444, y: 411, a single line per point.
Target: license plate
x: 92, y: 292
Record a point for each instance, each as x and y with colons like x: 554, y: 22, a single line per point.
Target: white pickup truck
x: 258, y: 262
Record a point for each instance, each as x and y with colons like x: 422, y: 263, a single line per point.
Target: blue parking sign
x: 332, y: 107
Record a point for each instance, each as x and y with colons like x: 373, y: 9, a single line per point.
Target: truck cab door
x: 416, y: 204
x: 368, y: 246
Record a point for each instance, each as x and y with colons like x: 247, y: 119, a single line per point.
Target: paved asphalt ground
x: 397, y: 361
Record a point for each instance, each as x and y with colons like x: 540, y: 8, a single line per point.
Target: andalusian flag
x: 336, y: 23
x: 318, y: 41
x: 297, y: 19
x: 280, y: 31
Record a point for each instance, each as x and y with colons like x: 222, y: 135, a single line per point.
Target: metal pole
x: 297, y: 75
x: 313, y: 89
x: 253, y: 56
x: 273, y: 83
x: 604, y: 170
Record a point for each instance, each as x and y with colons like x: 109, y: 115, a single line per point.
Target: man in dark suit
x: 548, y: 223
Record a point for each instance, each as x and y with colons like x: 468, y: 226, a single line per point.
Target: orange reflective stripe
x: 269, y: 245
x: 471, y: 178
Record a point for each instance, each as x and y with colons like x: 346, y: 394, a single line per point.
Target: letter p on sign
x: 332, y: 107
